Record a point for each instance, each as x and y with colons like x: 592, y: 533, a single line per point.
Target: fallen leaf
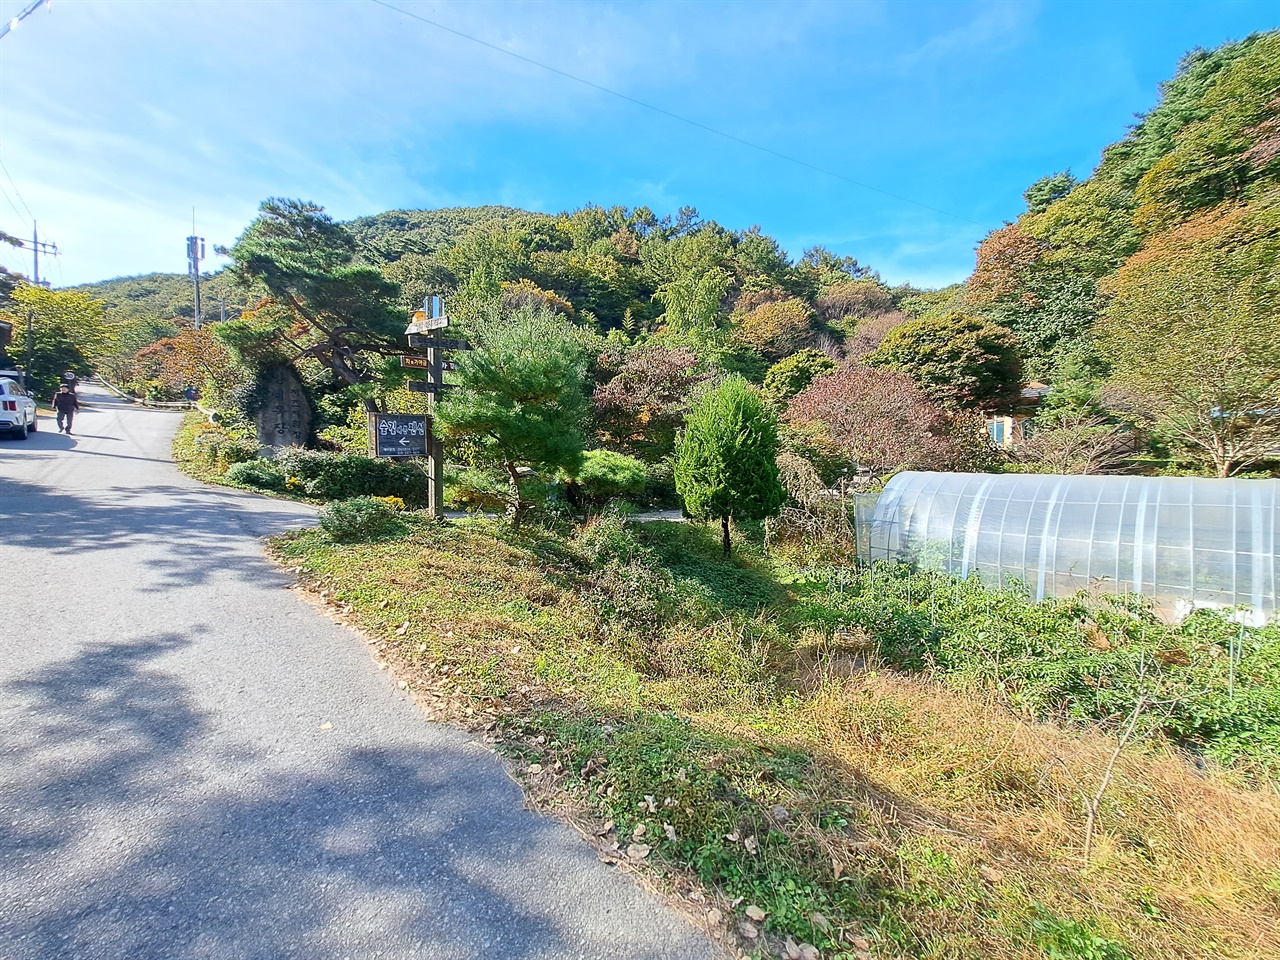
x: 605, y: 828
x: 748, y: 929
x: 809, y: 952
x: 670, y: 831
x: 638, y: 832
x: 990, y: 874
x: 535, y: 768
x: 752, y: 846
x: 819, y: 921
x: 732, y: 837
x: 780, y: 813
x: 755, y: 913
x: 384, y: 604
x: 714, y: 916
x: 860, y: 943
x: 638, y: 851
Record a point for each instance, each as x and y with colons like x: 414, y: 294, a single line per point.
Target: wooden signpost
x: 389, y: 437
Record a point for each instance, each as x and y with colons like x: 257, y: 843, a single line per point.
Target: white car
x: 17, y: 410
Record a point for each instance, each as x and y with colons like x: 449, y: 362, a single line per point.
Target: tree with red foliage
x: 640, y: 409
x: 189, y: 358
x: 881, y: 420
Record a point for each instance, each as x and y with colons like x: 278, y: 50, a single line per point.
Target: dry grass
x: 1187, y: 863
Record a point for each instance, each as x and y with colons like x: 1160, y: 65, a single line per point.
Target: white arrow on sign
x: 404, y: 441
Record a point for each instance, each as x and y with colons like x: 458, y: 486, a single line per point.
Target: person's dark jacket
x: 65, y: 402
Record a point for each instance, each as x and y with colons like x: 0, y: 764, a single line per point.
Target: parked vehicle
x: 17, y: 409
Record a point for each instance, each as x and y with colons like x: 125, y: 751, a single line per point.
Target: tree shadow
x: 191, y: 533
x: 135, y: 829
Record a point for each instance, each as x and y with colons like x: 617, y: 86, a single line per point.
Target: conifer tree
x: 726, y: 460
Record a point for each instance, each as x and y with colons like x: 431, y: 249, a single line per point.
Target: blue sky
x: 117, y: 117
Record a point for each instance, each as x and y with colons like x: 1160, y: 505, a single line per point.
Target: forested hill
x: 386, y: 237
x: 613, y: 266
x: 382, y: 238
x: 1147, y: 295
x: 1175, y: 229
x: 1157, y: 277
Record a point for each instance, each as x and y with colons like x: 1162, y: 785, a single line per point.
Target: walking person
x: 65, y: 405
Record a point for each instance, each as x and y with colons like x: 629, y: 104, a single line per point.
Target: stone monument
x: 284, y: 419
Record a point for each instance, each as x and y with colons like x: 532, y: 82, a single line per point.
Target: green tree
x: 964, y: 362
x: 520, y: 399
x: 321, y: 303
x: 726, y: 460
x: 1210, y: 160
x: 1193, y: 334
x: 1041, y: 194
x: 1088, y: 231
x: 788, y: 377
x: 68, y: 328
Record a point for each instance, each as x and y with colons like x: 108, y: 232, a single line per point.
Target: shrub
x: 606, y: 475
x: 360, y: 518
x: 209, y: 449
x: 261, y: 474
x: 476, y: 489
x: 788, y: 377
x: 340, y: 476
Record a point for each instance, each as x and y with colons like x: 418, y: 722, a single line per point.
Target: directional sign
x: 420, y: 342
x: 448, y: 365
x: 399, y: 434
x: 418, y: 363
x: 422, y: 323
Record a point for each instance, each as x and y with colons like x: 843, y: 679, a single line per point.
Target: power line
x: 15, y: 189
x: 5, y: 194
x: 675, y: 116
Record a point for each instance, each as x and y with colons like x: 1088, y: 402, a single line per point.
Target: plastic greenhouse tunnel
x: 1184, y: 541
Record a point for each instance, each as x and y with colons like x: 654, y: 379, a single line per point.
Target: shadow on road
x: 192, y: 533
x: 260, y: 866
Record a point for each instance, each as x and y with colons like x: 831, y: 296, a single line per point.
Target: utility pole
x: 195, y: 253
x: 37, y: 248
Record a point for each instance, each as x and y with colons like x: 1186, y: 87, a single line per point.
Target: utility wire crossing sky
x: 898, y: 133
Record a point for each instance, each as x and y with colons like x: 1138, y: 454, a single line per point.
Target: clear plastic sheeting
x: 1184, y: 541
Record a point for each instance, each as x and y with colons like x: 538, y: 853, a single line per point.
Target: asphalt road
x: 195, y: 763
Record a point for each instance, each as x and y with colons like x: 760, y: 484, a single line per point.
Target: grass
x: 732, y: 738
